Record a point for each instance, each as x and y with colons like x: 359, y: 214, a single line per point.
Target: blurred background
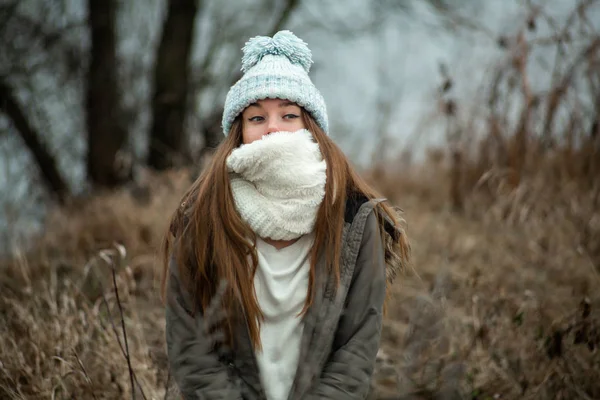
x: 479, y: 119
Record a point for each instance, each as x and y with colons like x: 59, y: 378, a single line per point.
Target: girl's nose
x: 272, y: 126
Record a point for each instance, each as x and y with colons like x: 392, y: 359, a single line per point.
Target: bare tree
x: 171, y: 80
x: 46, y: 163
x: 106, y: 134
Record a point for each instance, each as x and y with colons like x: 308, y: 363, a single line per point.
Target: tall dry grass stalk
x: 55, y: 342
x: 80, y: 318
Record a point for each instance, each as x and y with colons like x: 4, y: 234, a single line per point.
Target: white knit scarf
x: 278, y: 183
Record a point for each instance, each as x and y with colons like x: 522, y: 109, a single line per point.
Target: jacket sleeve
x: 194, y: 365
x: 347, y: 373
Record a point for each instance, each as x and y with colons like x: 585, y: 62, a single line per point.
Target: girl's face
x: 268, y: 116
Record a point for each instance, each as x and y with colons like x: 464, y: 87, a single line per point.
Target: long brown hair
x: 211, y: 244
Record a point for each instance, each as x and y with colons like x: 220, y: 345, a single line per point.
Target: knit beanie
x: 275, y: 68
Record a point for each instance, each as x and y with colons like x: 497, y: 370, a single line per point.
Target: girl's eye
x: 256, y: 118
x: 291, y: 116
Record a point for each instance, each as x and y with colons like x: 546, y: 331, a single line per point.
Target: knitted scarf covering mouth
x: 278, y: 183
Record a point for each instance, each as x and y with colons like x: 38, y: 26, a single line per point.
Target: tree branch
x: 45, y: 161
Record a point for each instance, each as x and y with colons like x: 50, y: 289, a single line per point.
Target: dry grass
x: 62, y: 334
x: 501, y: 306
x: 500, y: 309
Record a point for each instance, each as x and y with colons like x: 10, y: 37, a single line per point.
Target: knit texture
x: 278, y: 183
x: 275, y: 68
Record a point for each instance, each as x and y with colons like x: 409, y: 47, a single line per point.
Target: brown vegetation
x: 504, y: 303
x: 505, y: 224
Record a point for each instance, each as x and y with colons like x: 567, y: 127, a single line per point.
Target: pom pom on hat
x: 284, y: 43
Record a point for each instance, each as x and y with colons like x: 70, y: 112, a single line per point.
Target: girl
x: 275, y: 263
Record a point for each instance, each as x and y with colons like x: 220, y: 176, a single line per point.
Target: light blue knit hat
x: 273, y: 68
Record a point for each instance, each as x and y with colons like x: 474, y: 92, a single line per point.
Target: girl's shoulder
x: 354, y: 202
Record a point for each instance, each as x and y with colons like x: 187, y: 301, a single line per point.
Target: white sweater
x: 281, y: 283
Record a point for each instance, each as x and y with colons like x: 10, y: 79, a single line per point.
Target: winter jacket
x: 340, y: 339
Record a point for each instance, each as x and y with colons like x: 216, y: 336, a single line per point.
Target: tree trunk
x: 106, y: 135
x: 171, y: 81
x: 52, y: 177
